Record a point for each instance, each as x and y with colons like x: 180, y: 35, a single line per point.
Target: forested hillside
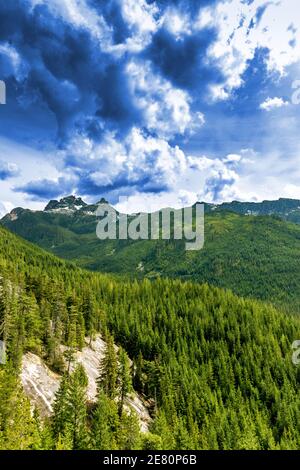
x: 255, y: 256
x: 216, y: 369
x: 287, y: 209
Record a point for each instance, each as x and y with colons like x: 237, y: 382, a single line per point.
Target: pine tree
x: 60, y: 409
x: 124, y: 379
x: 76, y: 407
x: 138, y: 373
x: 71, y: 335
x: 90, y: 315
x: 129, y: 432
x: 108, y: 370
x: 18, y: 428
x: 105, y: 424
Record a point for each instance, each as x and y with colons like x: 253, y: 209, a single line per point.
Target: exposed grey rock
x: 40, y: 383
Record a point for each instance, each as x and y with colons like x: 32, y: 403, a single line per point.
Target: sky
x: 149, y: 103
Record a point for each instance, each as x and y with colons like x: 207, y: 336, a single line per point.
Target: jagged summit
x: 66, y: 203
x: 102, y: 201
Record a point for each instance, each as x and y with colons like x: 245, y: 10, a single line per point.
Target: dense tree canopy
x: 215, y: 369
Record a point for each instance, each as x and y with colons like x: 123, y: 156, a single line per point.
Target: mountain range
x: 250, y: 248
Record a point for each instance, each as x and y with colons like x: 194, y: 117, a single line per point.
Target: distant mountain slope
x: 256, y: 256
x: 288, y: 209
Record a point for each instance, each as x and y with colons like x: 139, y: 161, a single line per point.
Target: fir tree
x: 105, y: 424
x: 108, y: 370
x: 76, y: 411
x: 124, y: 378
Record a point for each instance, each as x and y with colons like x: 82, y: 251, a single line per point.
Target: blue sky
x: 163, y: 102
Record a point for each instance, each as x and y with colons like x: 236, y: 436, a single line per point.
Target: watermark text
x: 167, y: 224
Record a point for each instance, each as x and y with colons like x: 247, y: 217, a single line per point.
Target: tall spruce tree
x: 124, y: 379
x: 105, y: 424
x: 76, y: 408
x: 108, y: 370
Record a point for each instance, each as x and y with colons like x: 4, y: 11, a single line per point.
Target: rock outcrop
x: 40, y: 383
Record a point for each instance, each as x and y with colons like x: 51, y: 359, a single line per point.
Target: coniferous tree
x: 124, y: 378
x: 105, y: 424
x: 76, y: 411
x: 60, y: 409
x: 18, y: 428
x: 129, y: 432
x: 108, y: 370
x: 215, y: 369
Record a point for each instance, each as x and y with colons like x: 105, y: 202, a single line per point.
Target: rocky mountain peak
x: 66, y: 203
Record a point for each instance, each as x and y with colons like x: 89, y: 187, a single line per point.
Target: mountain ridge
x: 253, y: 255
x: 282, y: 206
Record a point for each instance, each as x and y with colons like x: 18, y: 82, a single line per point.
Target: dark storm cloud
x: 184, y: 62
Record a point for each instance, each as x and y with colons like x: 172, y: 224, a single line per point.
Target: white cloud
x: 218, y: 93
x: 5, y: 207
x: 271, y: 103
x: 166, y: 109
x: 10, y: 52
x: 245, y: 26
x: 8, y: 169
x: 80, y: 15
x: 143, y: 202
x: 232, y: 158
x: 198, y: 179
x: 142, y: 20
x: 177, y: 23
x: 292, y: 191
x: 139, y: 15
x: 17, y: 67
x: 138, y: 160
x: 27, y: 160
x: 218, y: 177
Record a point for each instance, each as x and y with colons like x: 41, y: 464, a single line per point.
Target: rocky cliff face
x: 40, y: 383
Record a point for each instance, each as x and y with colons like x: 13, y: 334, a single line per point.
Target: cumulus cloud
x: 243, y: 27
x: 140, y: 161
x: 177, y: 23
x: 123, y: 92
x: 220, y: 176
x: 78, y: 13
x: 167, y: 110
x: 139, y: 15
x: 271, y: 103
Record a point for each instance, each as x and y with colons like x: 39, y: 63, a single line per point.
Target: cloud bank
x: 149, y: 98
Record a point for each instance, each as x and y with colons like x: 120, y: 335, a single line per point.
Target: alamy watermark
x: 2, y: 92
x: 167, y: 224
